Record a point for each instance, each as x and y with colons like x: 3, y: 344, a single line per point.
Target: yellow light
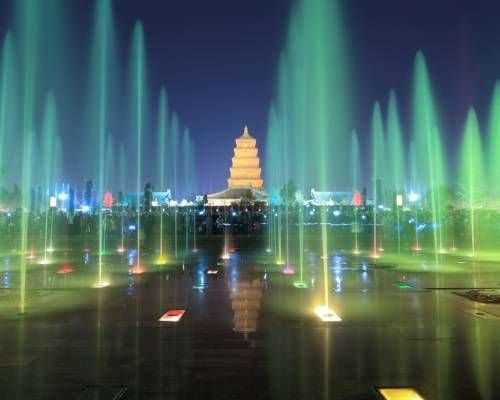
x: 161, y: 260
x: 280, y: 262
x: 399, y: 200
x: 120, y: 250
x: 226, y: 256
x: 375, y: 255
x: 400, y: 394
x: 50, y: 250
x: 326, y: 314
x: 356, y: 252
x: 101, y: 284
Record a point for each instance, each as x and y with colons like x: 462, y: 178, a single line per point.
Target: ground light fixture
x: 161, y: 260
x: 326, y: 314
x: 172, y: 316
x: 212, y: 271
x: 199, y: 286
x: 101, y: 284
x: 288, y: 270
x: 399, y: 393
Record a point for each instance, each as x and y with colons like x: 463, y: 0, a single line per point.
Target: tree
x: 248, y: 197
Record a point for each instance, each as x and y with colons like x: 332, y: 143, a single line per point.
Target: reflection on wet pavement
x: 247, y: 331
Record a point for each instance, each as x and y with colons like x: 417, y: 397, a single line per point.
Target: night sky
x: 218, y: 60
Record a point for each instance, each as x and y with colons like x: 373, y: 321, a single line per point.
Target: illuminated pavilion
x: 244, y: 175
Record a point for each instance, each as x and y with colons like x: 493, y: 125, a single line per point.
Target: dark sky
x: 218, y: 59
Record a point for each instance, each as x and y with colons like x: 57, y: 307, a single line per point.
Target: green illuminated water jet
x: 377, y: 174
x: 138, y: 96
x: 49, y: 139
x: 428, y: 147
x: 29, y: 16
x: 472, y: 175
x: 395, y: 149
x: 355, y: 171
x: 312, y: 106
x: 162, y: 154
x: 102, y: 71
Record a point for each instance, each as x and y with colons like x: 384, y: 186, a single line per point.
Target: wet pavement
x: 248, y: 333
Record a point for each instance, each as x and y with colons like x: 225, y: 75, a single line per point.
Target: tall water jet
x: 102, y: 72
x: 413, y: 196
x: 312, y: 105
x: 49, y: 136
x: 472, y: 176
x: 187, y: 172
x: 138, y: 96
x: 174, y: 146
x: 355, y: 171
x: 122, y: 179
x: 378, y: 163
x: 493, y: 166
x: 162, y: 165
x: 395, y: 149
x: 7, y: 104
x: 28, y: 12
x: 428, y: 147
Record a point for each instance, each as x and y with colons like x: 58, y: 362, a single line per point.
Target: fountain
x: 472, y: 177
x: 311, y: 106
x: 395, y: 147
x: 102, y: 62
x: 162, y: 166
x: 377, y: 175
x: 138, y: 110
x: 428, y: 148
x: 355, y: 170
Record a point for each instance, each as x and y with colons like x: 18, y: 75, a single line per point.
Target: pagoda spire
x: 245, y: 170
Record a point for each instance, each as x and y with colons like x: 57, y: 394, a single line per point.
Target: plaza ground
x: 402, y: 325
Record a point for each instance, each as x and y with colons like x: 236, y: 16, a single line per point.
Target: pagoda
x: 244, y: 175
x: 245, y: 170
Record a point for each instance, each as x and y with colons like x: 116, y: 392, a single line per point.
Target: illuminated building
x: 245, y: 180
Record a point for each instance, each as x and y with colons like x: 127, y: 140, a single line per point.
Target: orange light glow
x: 138, y: 269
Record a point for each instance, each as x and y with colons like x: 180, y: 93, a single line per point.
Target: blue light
x: 131, y: 227
x: 336, y: 213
